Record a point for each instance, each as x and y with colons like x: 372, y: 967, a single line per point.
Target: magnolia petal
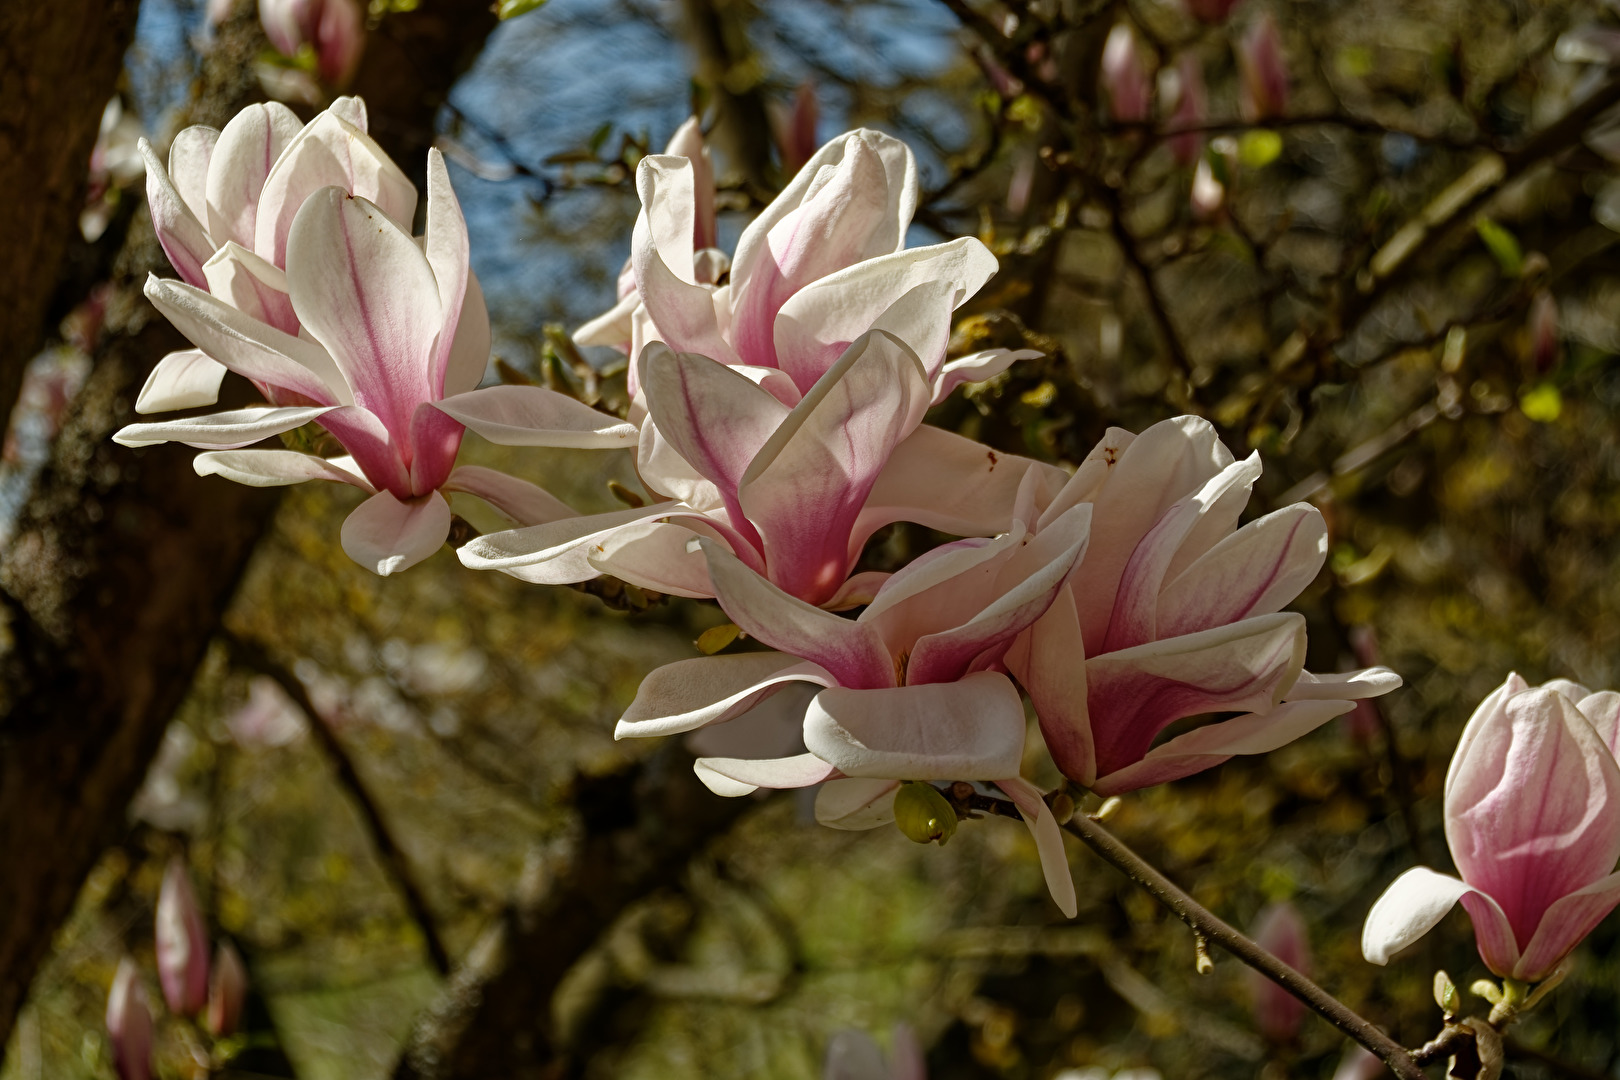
x: 1254, y: 571
x: 189, y: 156
x: 1602, y: 709
x: 328, y: 152
x: 520, y: 501
x: 1413, y: 905
x: 251, y: 285
x: 1212, y: 744
x: 689, y: 694
x: 1048, y: 836
x: 740, y: 776
x: 655, y: 555
x: 856, y: 803
x: 977, y: 367
x: 243, y: 157
x: 364, y: 290
x: 444, y: 242
x: 1352, y: 685
x: 247, y: 346
x: 1566, y: 923
x: 185, y: 379
x: 817, y: 323
x: 275, y: 468
x: 805, y: 488
x: 371, y: 446
x: 1090, y: 479
x: 851, y: 651
x: 351, y: 109
x: 971, y: 729
x: 1569, y: 688
x: 667, y: 185
x: 220, y: 431
x: 613, y: 327
x: 1478, y: 723
x: 682, y: 310
x: 1136, y: 693
x: 183, y: 237
x: 536, y: 416
x: 385, y: 535
x: 469, y: 356
x: 553, y: 553
x: 1050, y: 662
x: 858, y: 590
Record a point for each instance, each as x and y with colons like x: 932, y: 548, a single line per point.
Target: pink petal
x: 1043, y: 827
x: 1050, y: 662
x: 274, y: 468
x: 183, y: 237
x: 220, y: 431
x: 372, y: 447
x: 731, y: 777
x: 1565, y: 925
x: 363, y: 289
x: 434, y: 442
x: 251, y: 285
x: 856, y: 803
x: 385, y: 535
x: 328, y: 152
x: 518, y: 500
x: 851, y: 651
x: 804, y: 489
x: 689, y: 694
x: 1091, y: 477
x: 1136, y: 693
x: 184, y: 379
x: 661, y: 253
x: 972, y: 729
x: 1255, y: 571
x: 246, y: 151
x: 536, y: 416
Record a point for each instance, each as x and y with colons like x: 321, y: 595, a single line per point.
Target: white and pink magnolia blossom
x: 334, y: 29
x: 1264, y: 70
x: 129, y: 1024
x: 914, y: 688
x: 1176, y: 613
x: 227, y: 990
x: 379, y: 364
x: 1532, y: 814
x: 182, y: 943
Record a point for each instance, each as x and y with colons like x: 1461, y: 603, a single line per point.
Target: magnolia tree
x: 1118, y: 608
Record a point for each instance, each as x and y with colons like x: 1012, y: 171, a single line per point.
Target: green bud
x: 923, y: 814
x: 1484, y: 988
x: 1445, y: 993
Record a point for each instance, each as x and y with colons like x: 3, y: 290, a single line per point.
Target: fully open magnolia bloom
x: 223, y: 210
x: 378, y: 354
x: 1532, y: 813
x: 914, y: 688
x: 793, y: 486
x: 1175, y: 614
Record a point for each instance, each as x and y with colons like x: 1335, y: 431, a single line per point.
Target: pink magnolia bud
x: 1212, y: 12
x: 1544, y: 331
x: 226, y: 991
x: 182, y: 943
x: 1192, y: 109
x: 1280, y: 931
x: 1265, y: 71
x: 1124, y: 78
x: 1532, y: 814
x: 129, y: 1024
x: 335, y: 29
x: 688, y: 143
x: 796, y: 133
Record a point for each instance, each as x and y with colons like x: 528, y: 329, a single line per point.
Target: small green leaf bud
x: 923, y: 814
x: 1445, y: 994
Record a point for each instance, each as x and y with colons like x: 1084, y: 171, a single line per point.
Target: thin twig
x: 251, y: 654
x: 1213, y: 928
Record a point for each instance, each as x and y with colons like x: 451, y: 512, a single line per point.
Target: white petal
x: 185, y: 379
x: 221, y: 431
x: 1366, y: 683
x: 856, y: 803
x: 385, y: 535
x: 551, y: 553
x: 537, y: 416
x: 1043, y: 827
x: 977, y: 367
x: 1412, y: 906
x: 740, y: 776
x: 688, y: 694
x: 243, y: 156
x: 469, y: 356
x: 520, y: 501
x: 275, y: 468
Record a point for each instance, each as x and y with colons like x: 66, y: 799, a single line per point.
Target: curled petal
x: 553, y: 553
x: 1412, y: 906
x: 1048, y: 836
x: 655, y: 555
x: 185, y: 379
x: 276, y: 468
x: 445, y: 245
x: 856, y: 803
x: 1602, y: 709
x: 689, y: 694
x: 520, y: 501
x: 385, y: 535
x: 977, y: 367
x: 740, y: 776
x: 220, y: 431
x: 972, y: 729
x: 251, y: 285
x: 183, y: 237
x: 469, y: 355
x: 1352, y: 685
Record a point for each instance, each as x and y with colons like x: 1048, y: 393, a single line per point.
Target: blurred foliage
x: 1470, y: 475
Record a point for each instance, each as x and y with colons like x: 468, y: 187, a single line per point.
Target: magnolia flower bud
x: 923, y: 814
x: 129, y: 1024
x: 226, y: 991
x: 1124, y: 78
x: 182, y: 943
x: 1192, y: 109
x: 796, y: 132
x: 1544, y: 331
x: 1265, y: 71
x: 335, y: 29
x: 1280, y: 931
x: 1212, y: 12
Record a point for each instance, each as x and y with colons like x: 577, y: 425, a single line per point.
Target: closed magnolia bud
x: 182, y: 943
x: 687, y: 142
x: 1265, y: 71
x: 335, y: 29
x: 226, y: 991
x: 1192, y: 110
x: 1212, y: 12
x: 129, y: 1024
x: 1544, y: 331
x: 796, y: 134
x: 1280, y: 931
x: 923, y: 814
x: 1124, y: 78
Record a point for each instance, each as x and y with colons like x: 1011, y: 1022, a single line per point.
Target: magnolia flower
x: 1532, y: 812
x: 129, y: 1024
x: 380, y: 365
x: 1124, y: 78
x: 226, y: 991
x: 1265, y: 71
x: 1176, y: 613
x: 913, y: 688
x: 182, y: 943
x: 854, y: 1055
x: 334, y: 29
x: 1281, y: 931
x: 223, y: 210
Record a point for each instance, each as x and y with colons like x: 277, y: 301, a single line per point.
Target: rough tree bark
x: 724, y: 64
x: 59, y: 65
x: 124, y: 561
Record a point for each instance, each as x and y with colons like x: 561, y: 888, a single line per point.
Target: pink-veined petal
x: 184, y: 379
x: 689, y: 694
x: 1255, y: 571
x: 661, y: 253
x: 731, y: 777
x: 971, y: 729
x: 536, y: 416
x: 372, y: 447
x: 1048, y: 836
x: 519, y: 501
x: 189, y: 156
x: 183, y: 237
x: 220, y: 431
x: 435, y: 440
x: 385, y: 535
x: 351, y: 109
x: 1565, y: 925
x: 251, y: 285
x: 275, y: 468
x: 242, y: 158
x: 856, y: 803
x: 1049, y: 660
